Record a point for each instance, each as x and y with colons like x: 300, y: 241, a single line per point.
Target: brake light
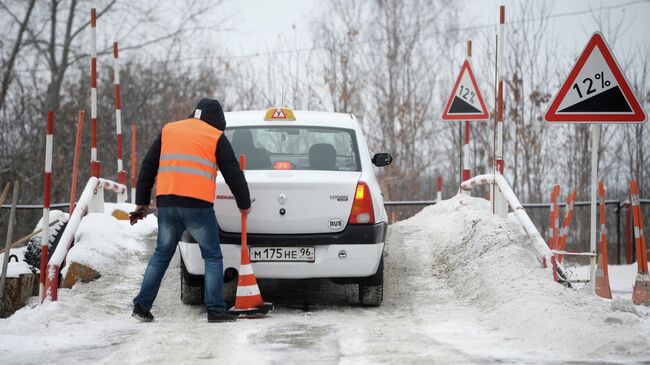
x: 362, y: 210
x: 282, y: 165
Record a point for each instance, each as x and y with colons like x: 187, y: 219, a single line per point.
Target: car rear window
x: 296, y: 148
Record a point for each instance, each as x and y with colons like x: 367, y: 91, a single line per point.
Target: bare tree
x: 9, y: 63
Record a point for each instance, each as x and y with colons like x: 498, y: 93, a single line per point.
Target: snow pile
x: 55, y: 215
x: 489, y: 262
x: 102, y: 241
x: 15, y: 269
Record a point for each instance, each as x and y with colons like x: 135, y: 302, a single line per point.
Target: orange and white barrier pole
x: 602, y: 272
x: 566, y: 223
x: 75, y: 162
x: 500, y: 206
x: 248, y: 302
x: 439, y: 193
x: 553, y: 218
x: 47, y: 188
x: 134, y: 160
x: 94, y: 188
x: 121, y: 174
x: 641, y: 293
x: 94, y: 163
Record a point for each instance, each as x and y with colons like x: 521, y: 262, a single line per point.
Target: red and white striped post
x: 133, y: 162
x: 94, y: 163
x: 439, y: 193
x: 499, y: 204
x: 641, y: 293
x: 121, y: 174
x: 47, y: 181
x: 466, y: 171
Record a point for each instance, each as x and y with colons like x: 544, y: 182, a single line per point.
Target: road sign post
x: 595, y: 91
x: 464, y: 104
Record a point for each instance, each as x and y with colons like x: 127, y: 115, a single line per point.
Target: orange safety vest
x: 188, y: 164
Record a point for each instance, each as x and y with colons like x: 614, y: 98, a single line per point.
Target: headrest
x: 322, y: 156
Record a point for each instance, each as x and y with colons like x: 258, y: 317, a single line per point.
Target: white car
x: 317, y: 211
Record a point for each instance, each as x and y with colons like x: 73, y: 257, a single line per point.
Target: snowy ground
x: 461, y: 287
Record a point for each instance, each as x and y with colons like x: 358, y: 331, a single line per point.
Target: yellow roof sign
x: 279, y: 114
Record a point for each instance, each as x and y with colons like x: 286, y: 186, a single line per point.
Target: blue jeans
x: 201, y: 224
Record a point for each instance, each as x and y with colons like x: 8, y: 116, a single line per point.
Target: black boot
x: 141, y: 314
x: 221, y: 317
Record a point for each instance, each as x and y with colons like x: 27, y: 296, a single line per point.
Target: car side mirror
x: 382, y: 159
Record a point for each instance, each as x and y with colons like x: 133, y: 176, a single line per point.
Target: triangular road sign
x: 465, y: 101
x: 279, y: 114
x: 596, y: 90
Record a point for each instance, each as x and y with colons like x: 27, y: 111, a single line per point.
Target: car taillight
x: 362, y: 212
x: 282, y: 165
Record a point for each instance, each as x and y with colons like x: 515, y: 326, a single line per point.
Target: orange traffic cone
x: 641, y: 293
x: 248, y: 302
x: 603, y: 289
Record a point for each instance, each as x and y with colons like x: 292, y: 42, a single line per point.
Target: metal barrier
x: 91, y: 201
x: 544, y: 255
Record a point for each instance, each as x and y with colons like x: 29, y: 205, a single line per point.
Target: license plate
x: 297, y: 254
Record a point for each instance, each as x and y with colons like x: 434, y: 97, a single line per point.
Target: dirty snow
x: 461, y: 287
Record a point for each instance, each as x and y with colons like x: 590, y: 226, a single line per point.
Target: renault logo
x: 282, y: 198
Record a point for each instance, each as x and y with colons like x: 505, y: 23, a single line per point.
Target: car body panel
x: 310, y: 204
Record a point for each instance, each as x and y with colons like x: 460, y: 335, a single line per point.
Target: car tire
x: 230, y: 292
x: 190, y: 294
x: 33, y: 252
x: 371, y: 290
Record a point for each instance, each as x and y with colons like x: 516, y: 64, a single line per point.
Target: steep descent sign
x: 465, y: 101
x: 596, y: 90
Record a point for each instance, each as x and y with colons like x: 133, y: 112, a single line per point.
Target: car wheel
x: 371, y: 290
x: 231, y: 281
x: 190, y: 294
x: 33, y: 252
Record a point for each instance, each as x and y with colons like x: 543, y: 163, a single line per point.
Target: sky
x: 256, y: 26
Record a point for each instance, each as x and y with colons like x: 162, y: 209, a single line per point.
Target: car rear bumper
x: 360, y: 259
x: 352, y: 235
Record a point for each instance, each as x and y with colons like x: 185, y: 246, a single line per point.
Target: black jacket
x: 212, y: 114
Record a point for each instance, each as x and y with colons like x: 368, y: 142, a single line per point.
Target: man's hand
x: 245, y: 212
x: 140, y: 212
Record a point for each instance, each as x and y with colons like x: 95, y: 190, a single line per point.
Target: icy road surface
x: 461, y: 287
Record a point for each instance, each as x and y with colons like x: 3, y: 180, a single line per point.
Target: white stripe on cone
x: 248, y: 290
x: 246, y: 269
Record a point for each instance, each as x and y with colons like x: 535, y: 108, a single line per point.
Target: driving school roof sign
x: 596, y: 90
x: 279, y: 114
x: 465, y: 101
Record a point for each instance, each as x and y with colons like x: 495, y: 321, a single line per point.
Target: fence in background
x: 619, y: 227
x: 618, y: 221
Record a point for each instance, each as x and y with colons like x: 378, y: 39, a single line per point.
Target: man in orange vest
x: 184, y: 160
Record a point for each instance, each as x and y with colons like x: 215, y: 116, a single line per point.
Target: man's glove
x: 140, y: 212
